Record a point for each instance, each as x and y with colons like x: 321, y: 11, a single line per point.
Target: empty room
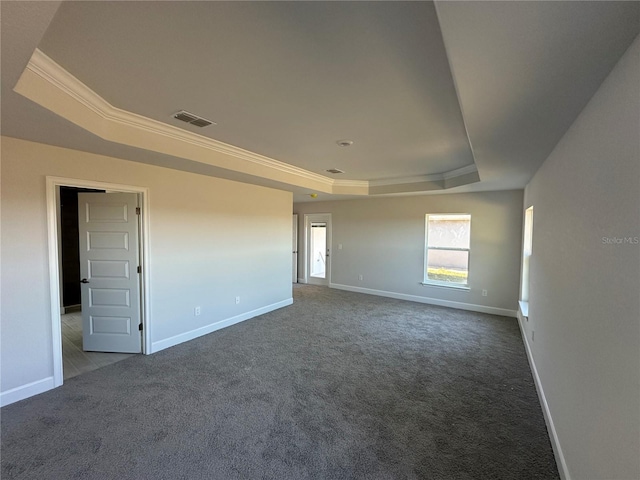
x: 320, y: 240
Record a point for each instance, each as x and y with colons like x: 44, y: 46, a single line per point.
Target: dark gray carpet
x: 338, y: 386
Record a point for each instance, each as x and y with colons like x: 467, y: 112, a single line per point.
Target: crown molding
x: 459, y: 172
x: 47, y: 83
x: 436, y: 177
x: 351, y: 183
x: 383, y: 182
x: 42, y: 65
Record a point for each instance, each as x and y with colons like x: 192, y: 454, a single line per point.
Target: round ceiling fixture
x: 313, y: 195
x: 344, y: 143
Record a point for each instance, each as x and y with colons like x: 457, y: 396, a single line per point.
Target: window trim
x: 439, y: 283
x: 527, y: 253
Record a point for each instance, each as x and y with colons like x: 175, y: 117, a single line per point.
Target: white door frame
x: 308, y: 219
x: 54, y: 274
x: 295, y: 242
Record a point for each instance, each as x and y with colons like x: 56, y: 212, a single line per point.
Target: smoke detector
x: 344, y: 143
x: 192, y: 119
x: 334, y: 170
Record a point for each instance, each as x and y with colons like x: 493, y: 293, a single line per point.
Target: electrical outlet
x: 360, y: 277
x: 237, y: 300
x: 339, y: 246
x: 484, y: 293
x: 196, y: 311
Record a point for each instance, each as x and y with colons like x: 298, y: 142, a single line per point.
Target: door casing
x: 294, y: 244
x: 52, y: 184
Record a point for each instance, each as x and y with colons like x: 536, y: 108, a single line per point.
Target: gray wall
x: 584, y: 303
x: 204, y: 249
x: 383, y: 239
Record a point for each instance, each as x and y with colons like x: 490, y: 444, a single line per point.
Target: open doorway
x: 318, y: 248
x: 77, y: 356
x: 97, y: 251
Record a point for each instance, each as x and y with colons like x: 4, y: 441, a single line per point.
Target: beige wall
x: 204, y: 250
x: 584, y: 301
x: 383, y: 239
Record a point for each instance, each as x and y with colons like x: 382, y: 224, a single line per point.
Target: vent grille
x: 334, y: 170
x: 193, y: 119
x: 201, y: 122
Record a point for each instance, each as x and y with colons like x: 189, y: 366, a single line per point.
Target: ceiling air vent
x: 193, y: 119
x: 334, y: 170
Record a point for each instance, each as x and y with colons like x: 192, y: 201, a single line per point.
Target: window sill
x: 524, y: 308
x: 445, y: 285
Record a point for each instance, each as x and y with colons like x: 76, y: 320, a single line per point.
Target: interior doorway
x: 99, y: 255
x: 318, y: 248
x: 98, y: 239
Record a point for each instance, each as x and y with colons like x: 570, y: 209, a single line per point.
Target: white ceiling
x: 405, y: 81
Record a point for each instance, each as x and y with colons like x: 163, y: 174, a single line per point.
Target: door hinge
x: 137, y: 210
x: 140, y: 327
x: 139, y: 269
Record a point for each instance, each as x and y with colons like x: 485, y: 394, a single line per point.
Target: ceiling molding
x: 436, y: 177
x: 351, y: 183
x: 42, y: 65
x: 459, y: 172
x: 47, y: 83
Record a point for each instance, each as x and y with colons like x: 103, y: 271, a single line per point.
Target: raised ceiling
x: 413, y: 84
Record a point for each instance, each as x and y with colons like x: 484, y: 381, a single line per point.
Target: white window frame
x: 439, y: 283
x: 527, y: 252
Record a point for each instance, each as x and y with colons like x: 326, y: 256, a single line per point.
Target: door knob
x: 84, y: 280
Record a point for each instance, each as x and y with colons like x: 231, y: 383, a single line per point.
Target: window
x: 448, y: 238
x: 527, y: 250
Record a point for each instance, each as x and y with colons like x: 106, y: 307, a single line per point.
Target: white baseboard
x: 301, y: 280
x: 26, y: 391
x: 431, y: 301
x: 553, y: 435
x: 198, y: 332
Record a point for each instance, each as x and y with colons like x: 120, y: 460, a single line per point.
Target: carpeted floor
x: 338, y: 386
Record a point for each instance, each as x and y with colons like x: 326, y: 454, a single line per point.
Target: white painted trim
x: 26, y: 391
x: 563, y: 469
x: 459, y: 172
x: 46, y: 68
x: 350, y: 183
x: 79, y: 104
x: 54, y: 284
x: 302, y: 280
x: 406, y: 180
x: 437, y: 177
x: 198, y: 332
x: 431, y: 301
x: 524, y: 308
x: 434, y: 283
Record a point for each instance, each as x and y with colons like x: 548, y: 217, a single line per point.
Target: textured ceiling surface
x: 413, y: 84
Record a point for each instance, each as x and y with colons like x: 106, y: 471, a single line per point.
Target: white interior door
x: 108, y: 224
x: 294, y: 241
x: 318, y: 248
